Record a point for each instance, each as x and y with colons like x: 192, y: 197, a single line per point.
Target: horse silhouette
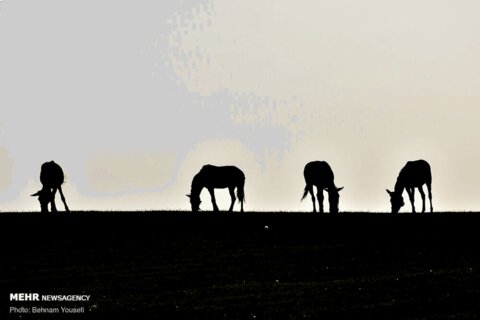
x: 213, y: 177
x: 52, y: 178
x: 320, y: 175
x: 413, y: 175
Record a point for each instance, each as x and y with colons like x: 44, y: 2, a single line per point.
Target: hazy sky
x: 131, y: 98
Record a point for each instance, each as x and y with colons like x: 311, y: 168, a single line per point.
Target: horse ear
x: 389, y: 192
x: 338, y: 189
x: 35, y: 194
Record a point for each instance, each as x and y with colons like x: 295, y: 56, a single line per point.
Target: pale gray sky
x: 132, y: 98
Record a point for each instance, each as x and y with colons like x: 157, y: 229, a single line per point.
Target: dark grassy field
x: 246, y: 266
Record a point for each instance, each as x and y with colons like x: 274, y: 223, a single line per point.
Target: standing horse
x: 51, y: 177
x: 212, y: 177
x: 320, y: 175
x: 413, y: 175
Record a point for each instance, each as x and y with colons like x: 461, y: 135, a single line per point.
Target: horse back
x: 222, y: 177
x: 416, y: 173
x: 51, y: 174
x: 318, y: 173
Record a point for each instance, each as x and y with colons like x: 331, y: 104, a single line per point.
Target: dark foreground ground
x: 244, y: 266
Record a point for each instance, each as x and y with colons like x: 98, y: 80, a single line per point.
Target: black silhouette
x: 413, y: 175
x: 212, y: 177
x: 51, y: 177
x: 320, y: 175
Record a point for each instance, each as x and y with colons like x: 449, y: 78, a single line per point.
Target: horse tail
x: 241, y: 194
x: 305, y: 192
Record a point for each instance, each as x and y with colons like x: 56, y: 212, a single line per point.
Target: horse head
x: 333, y: 198
x: 194, y: 202
x: 396, y: 200
x: 45, y: 196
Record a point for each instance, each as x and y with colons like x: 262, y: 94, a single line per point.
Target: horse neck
x: 400, y: 184
x: 331, y: 192
x: 331, y: 187
x: 197, y: 186
x: 46, y: 188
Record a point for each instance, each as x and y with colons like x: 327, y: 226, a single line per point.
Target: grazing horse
x: 413, y: 175
x: 212, y: 177
x: 320, y: 175
x: 51, y: 177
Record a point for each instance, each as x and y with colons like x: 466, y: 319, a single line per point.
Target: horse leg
x: 423, y: 198
x: 52, y: 201
x: 411, y: 196
x: 241, y: 195
x: 212, y: 195
x: 429, y: 188
x: 310, y: 190
x: 232, y: 196
x: 63, y: 199
x: 320, y: 199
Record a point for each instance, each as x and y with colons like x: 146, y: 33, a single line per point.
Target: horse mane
x: 400, y: 184
x: 197, y: 185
